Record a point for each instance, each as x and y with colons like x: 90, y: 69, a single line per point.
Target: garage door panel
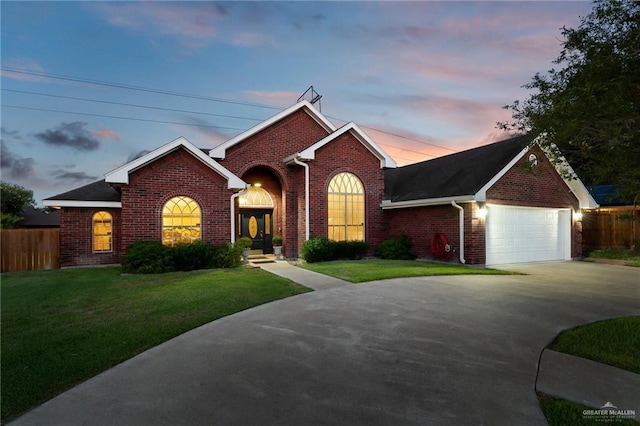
x: 518, y: 234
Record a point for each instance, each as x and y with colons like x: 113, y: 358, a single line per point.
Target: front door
x: 257, y: 225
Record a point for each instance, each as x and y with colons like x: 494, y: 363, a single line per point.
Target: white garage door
x: 524, y: 234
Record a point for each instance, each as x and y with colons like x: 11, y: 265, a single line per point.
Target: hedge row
x: 152, y: 257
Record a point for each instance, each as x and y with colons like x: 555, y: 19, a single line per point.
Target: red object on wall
x: 438, y: 245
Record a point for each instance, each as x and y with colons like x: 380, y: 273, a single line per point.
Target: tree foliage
x: 590, y: 107
x: 12, y: 199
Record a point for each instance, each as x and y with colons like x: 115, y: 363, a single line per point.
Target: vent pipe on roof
x: 462, y: 259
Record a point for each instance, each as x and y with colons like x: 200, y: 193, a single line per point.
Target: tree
x: 590, y: 108
x: 12, y: 199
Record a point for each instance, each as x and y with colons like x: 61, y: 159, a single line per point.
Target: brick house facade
x: 291, y: 164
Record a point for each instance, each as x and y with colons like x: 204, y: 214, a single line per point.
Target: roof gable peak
x: 219, y: 152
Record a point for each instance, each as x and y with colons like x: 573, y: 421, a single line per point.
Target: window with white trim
x: 180, y: 221
x: 346, y: 211
x: 102, y: 224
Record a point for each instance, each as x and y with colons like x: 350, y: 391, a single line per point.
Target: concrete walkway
x: 302, y: 276
x: 414, y: 351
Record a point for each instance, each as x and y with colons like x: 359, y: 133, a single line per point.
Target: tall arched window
x: 180, y: 221
x: 346, y: 208
x: 102, y: 224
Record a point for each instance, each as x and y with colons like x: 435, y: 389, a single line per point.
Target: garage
x: 525, y: 234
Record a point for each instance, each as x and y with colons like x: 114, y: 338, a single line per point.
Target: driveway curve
x: 432, y: 350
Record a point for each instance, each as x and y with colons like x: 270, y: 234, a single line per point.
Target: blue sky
x: 88, y: 85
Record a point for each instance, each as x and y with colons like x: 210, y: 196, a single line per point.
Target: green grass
x: 615, y: 342
x: 62, y: 327
x: 632, y: 257
x: 358, y: 271
x: 560, y: 412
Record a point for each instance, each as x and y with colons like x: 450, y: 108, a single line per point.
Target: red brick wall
x: 267, y: 149
x: 539, y: 186
x: 347, y: 154
x: 175, y: 174
x: 76, y: 238
x: 271, y: 145
x: 421, y: 223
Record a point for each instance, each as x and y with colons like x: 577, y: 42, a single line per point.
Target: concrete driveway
x: 436, y: 351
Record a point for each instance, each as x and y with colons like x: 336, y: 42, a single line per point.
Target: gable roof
x: 385, y: 161
x: 95, y: 194
x: 463, y: 176
x: 221, y: 150
x: 459, y: 174
x: 121, y: 174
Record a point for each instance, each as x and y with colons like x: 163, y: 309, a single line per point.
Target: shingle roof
x: 96, y: 191
x: 463, y: 173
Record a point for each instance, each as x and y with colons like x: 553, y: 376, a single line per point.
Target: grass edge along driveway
x: 358, y: 271
x: 61, y: 327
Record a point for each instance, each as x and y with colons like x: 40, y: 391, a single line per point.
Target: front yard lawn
x: 358, y: 271
x: 61, y: 327
x: 615, y: 342
x: 631, y: 257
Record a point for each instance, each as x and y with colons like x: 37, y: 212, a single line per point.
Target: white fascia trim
x: 481, y: 195
x: 220, y: 151
x: 82, y: 204
x: 585, y: 199
x: 363, y: 138
x: 388, y: 204
x: 121, y: 174
x: 576, y: 186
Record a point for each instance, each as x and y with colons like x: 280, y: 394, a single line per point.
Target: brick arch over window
x: 181, y: 221
x: 346, y: 208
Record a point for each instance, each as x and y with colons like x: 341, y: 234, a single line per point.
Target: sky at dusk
x: 88, y: 85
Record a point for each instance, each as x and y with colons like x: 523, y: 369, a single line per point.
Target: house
x: 35, y: 218
x: 297, y: 175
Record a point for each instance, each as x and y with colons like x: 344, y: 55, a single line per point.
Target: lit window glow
x: 345, y: 208
x: 180, y: 221
x: 102, y: 232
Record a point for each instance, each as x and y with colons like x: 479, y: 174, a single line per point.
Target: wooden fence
x: 30, y: 249
x: 616, y: 227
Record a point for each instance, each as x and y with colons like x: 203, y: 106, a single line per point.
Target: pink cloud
x: 23, y: 64
x: 245, y: 39
x: 192, y: 23
x: 283, y: 98
x: 106, y: 134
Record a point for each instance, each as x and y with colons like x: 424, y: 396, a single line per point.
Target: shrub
x: 399, y: 248
x: 147, y: 257
x: 321, y: 249
x: 350, y: 249
x: 318, y: 249
x: 227, y: 256
x: 277, y: 240
x: 189, y: 257
x: 244, y: 243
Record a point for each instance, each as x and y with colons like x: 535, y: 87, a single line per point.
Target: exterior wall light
x: 577, y: 215
x: 482, y: 210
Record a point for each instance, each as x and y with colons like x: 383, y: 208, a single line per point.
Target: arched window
x: 102, y: 224
x: 180, y: 221
x: 346, y: 208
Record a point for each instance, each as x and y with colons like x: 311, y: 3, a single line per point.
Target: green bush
x: 148, y: 257
x: 321, y: 249
x: 350, y: 250
x: 399, y: 248
x: 193, y: 256
x: 152, y: 257
x: 227, y: 256
x: 318, y: 249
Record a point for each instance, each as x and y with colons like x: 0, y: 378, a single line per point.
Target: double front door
x: 257, y: 224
